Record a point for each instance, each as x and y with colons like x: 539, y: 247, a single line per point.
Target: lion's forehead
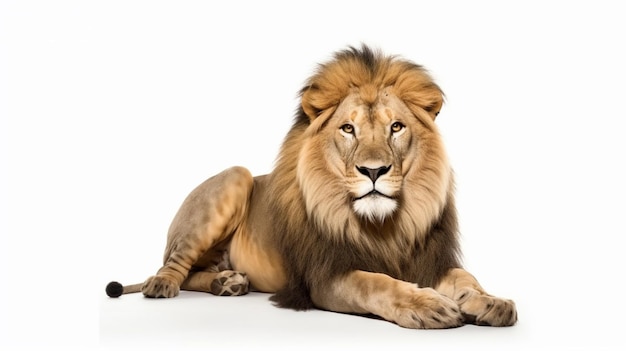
x: 382, y: 112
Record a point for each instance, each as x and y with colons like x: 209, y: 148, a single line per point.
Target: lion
x: 357, y: 216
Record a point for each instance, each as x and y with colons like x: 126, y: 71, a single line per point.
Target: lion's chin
x: 374, y: 207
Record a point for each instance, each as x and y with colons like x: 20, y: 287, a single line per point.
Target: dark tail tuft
x: 114, y: 289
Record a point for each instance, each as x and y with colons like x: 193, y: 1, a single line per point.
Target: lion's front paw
x: 230, y: 283
x: 427, y: 309
x: 159, y: 286
x: 489, y: 310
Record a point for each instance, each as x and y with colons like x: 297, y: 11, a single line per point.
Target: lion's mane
x: 318, y: 242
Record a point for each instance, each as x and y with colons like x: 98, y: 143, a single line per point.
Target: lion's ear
x: 434, y: 108
x: 307, y: 105
x: 314, y: 102
x: 426, y: 97
x: 416, y: 88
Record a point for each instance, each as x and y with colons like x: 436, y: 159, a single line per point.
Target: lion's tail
x: 115, y: 289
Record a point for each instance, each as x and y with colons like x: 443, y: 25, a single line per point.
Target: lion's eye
x: 347, y: 128
x: 396, y: 127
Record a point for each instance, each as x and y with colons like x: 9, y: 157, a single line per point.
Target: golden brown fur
x: 358, y: 215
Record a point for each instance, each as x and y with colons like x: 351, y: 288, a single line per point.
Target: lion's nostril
x: 373, y: 173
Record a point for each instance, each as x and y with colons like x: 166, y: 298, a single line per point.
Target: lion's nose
x: 373, y: 173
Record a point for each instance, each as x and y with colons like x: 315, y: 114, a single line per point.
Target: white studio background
x: 112, y: 111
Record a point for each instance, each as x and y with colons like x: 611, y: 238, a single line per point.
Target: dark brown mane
x: 306, y: 267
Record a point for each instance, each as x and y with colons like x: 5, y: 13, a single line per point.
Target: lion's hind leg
x: 219, y: 279
x: 205, y: 221
x: 224, y: 283
x: 476, y: 305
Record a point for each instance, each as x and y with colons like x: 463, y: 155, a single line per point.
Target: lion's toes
x: 428, y: 310
x: 499, y: 313
x: 158, y: 286
x: 487, y: 310
x: 230, y: 283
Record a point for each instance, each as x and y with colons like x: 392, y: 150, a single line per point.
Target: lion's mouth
x: 375, y: 206
x: 373, y: 193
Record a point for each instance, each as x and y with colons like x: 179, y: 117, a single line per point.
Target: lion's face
x: 363, y: 157
x: 370, y: 144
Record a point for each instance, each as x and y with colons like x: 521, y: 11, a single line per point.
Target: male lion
x: 358, y: 215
